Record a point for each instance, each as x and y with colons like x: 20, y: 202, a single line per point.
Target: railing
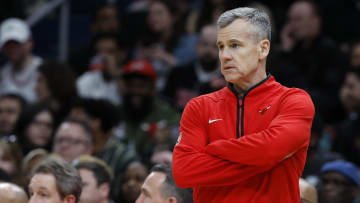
x: 63, y: 25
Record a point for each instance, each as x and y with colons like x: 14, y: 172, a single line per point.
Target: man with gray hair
x: 246, y: 142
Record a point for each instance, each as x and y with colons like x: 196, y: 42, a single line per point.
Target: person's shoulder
x: 162, y: 105
x: 291, y: 91
x: 90, y: 76
x: 297, y: 97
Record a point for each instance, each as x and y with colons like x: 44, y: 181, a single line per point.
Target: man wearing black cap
x: 340, y: 182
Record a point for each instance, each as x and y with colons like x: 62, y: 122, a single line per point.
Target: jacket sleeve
x: 288, y: 132
x: 192, y: 167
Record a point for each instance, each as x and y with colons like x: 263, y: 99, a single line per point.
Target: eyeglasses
x: 70, y: 140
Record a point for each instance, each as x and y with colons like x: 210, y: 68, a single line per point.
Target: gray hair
x: 254, y: 16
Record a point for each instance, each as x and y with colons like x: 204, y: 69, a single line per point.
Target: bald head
x: 12, y: 193
x: 308, y: 192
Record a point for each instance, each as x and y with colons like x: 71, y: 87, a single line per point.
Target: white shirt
x: 22, y: 82
x: 91, y: 84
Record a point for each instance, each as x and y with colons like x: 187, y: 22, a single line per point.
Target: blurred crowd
x: 132, y: 67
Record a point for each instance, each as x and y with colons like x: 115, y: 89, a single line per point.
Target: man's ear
x: 171, y: 200
x: 104, y: 190
x: 70, y: 199
x: 264, y: 49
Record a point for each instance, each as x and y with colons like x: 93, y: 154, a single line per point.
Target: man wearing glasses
x: 72, y: 139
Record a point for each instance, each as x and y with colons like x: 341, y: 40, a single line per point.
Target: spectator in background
x: 34, y: 128
x: 96, y: 177
x: 186, y: 82
x: 148, y: 121
x: 104, y: 19
x: 56, y: 87
x: 130, y: 185
x: 100, y: 83
x: 12, y: 193
x: 347, y: 139
x: 320, y: 150
x: 55, y: 180
x: 19, y: 75
x: 209, y: 12
x: 32, y: 159
x: 310, y: 60
x: 10, y: 160
x: 355, y: 54
x: 339, y: 182
x: 103, y: 117
x: 160, y: 186
x: 11, y: 106
x: 72, y: 139
x: 165, y: 44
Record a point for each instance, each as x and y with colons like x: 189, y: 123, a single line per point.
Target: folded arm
x: 193, y: 167
x: 288, y: 132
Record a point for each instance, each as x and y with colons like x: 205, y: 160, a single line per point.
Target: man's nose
x: 225, y: 55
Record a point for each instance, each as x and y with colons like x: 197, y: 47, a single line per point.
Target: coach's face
x: 241, y: 53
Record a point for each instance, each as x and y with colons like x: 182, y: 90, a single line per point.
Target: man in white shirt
x: 19, y: 74
x: 101, y: 81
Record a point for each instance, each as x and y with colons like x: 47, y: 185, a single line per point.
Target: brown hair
x: 68, y: 180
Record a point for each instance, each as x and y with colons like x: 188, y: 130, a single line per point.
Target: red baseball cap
x: 140, y: 67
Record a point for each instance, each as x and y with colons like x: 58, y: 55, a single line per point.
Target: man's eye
x: 42, y: 194
x: 234, y: 45
x: 220, y: 47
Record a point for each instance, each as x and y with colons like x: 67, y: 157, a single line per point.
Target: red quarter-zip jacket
x: 244, y: 149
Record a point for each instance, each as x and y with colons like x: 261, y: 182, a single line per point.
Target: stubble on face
x: 239, y: 53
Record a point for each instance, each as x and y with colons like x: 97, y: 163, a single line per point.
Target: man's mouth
x: 228, y: 67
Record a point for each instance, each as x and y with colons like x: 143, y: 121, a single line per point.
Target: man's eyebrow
x: 228, y: 41
x: 234, y: 40
x: 43, y: 188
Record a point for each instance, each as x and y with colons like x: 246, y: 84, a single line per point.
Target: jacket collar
x: 257, y: 87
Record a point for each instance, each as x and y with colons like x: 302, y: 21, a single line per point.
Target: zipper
x: 240, y: 132
x: 242, y: 115
x: 237, y: 116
